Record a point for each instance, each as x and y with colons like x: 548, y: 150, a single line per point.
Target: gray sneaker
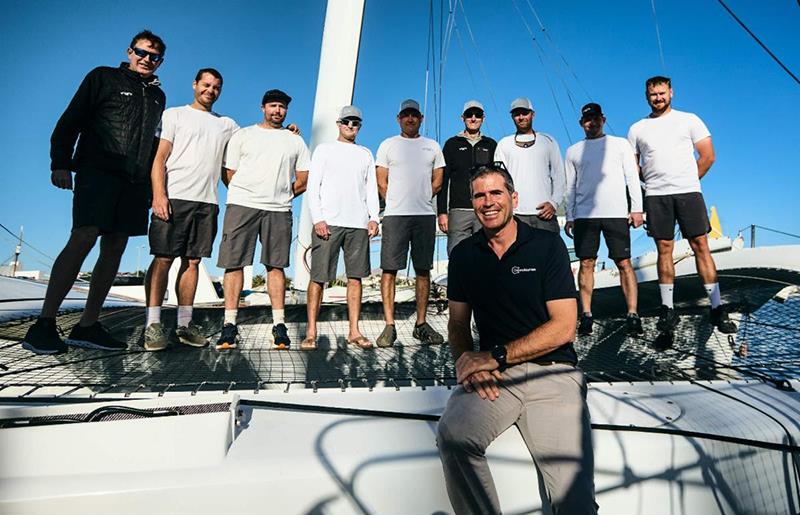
x: 191, y: 335
x: 387, y: 337
x: 155, y: 338
x: 427, y: 334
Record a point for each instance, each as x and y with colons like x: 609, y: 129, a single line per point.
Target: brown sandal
x: 362, y: 342
x: 308, y: 344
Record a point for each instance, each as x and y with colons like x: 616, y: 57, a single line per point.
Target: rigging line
x: 441, y: 72
x: 477, y: 53
x: 544, y: 68
x: 489, y: 123
x: 427, y: 71
x: 25, y: 242
x: 767, y: 50
x: 658, y: 37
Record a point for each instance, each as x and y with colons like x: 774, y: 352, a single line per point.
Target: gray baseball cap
x: 409, y: 104
x: 350, y: 112
x: 472, y: 104
x: 521, y: 103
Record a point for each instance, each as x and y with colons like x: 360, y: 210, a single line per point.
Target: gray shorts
x: 418, y: 231
x: 189, y: 231
x: 537, y: 223
x: 243, y: 226
x: 325, y: 254
x: 461, y: 224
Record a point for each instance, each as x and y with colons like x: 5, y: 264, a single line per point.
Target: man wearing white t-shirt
x: 666, y: 142
x: 410, y: 169
x: 183, y: 225
x: 266, y: 166
x: 598, y: 170
x: 343, y: 202
x: 533, y: 159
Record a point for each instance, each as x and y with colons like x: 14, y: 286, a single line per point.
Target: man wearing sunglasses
x: 343, y: 202
x: 185, y: 175
x: 598, y: 170
x: 462, y: 153
x: 266, y: 167
x: 534, y: 160
x: 113, y: 118
x: 409, y: 172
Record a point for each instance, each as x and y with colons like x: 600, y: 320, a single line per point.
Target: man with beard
x: 113, y: 117
x: 185, y: 174
x: 409, y: 172
x: 266, y: 166
x: 533, y: 159
x: 666, y: 142
x: 343, y: 202
x: 525, y: 371
x: 462, y: 153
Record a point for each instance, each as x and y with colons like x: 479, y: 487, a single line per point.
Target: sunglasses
x: 351, y: 122
x: 473, y: 113
x: 525, y: 144
x: 492, y: 167
x: 156, y: 58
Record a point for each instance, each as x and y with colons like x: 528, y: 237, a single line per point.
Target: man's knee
x: 699, y: 245
x: 454, y: 436
x: 425, y: 273
x: 191, y: 263
x: 624, y: 265
x: 113, y: 244
x: 588, y: 264
x: 83, y: 237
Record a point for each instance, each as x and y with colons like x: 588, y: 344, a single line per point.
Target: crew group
x: 497, y: 202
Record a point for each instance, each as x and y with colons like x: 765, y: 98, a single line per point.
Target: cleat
x: 633, y: 325
x: 667, y: 319
x: 229, y: 338
x: 585, y: 325
x: 720, y: 320
x: 280, y: 337
x: 94, y: 336
x: 387, y: 337
x: 42, y: 338
x: 191, y: 335
x: 155, y: 338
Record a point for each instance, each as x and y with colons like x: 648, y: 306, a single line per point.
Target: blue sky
x: 718, y: 72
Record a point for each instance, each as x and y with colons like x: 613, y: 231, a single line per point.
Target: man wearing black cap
x: 266, y: 166
x: 113, y: 118
x: 409, y: 172
x: 598, y: 170
x: 533, y: 159
x: 462, y: 152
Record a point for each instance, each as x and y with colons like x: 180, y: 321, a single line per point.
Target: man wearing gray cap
x: 464, y: 151
x: 409, y: 172
x: 533, y: 159
x: 343, y: 201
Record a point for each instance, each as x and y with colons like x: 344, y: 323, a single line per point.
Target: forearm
x: 158, y: 177
x: 227, y: 175
x: 704, y: 165
x: 542, y: 340
x: 299, y: 185
x: 459, y: 336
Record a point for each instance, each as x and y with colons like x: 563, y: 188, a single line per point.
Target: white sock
x: 153, y: 316
x: 184, y: 315
x: 713, y: 294
x: 230, y: 316
x: 277, y: 316
x: 666, y: 294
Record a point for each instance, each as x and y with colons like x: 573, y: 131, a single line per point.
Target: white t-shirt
x: 265, y: 161
x: 342, y: 189
x: 537, y: 171
x: 597, y: 171
x: 198, y: 141
x: 410, y: 162
x: 666, y: 148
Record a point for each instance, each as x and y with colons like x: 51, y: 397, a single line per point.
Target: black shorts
x: 688, y: 209
x: 189, y: 232
x: 615, y: 232
x: 400, y: 232
x: 110, y: 202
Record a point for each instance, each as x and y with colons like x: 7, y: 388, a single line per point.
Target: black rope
x: 25, y: 242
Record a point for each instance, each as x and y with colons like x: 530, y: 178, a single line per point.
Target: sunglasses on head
x: 493, y: 167
x: 155, y: 57
x: 351, y: 122
x: 473, y: 113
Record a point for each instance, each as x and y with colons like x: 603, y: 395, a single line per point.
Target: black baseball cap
x: 591, y: 109
x: 275, y: 95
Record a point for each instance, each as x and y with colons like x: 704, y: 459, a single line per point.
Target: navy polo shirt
x: 508, y: 296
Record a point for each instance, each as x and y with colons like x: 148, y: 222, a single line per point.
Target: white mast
x: 337, y: 74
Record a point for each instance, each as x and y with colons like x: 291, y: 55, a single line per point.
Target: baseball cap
x: 591, y: 109
x: 409, y: 104
x: 350, y: 112
x: 275, y: 95
x: 521, y: 103
x: 472, y: 104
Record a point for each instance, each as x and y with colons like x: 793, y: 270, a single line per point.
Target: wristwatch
x: 499, y: 354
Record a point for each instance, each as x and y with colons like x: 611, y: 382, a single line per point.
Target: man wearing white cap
x: 409, y: 172
x: 343, y: 201
x: 533, y: 159
x: 463, y: 152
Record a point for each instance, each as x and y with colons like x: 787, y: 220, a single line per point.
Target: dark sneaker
x: 664, y: 340
x: 94, y: 336
x: 280, y: 337
x: 426, y: 334
x: 719, y: 319
x: 229, y: 338
x: 42, y: 338
x: 387, y: 337
x: 585, y: 324
x: 667, y: 319
x: 633, y: 325
x: 155, y: 338
x: 191, y: 335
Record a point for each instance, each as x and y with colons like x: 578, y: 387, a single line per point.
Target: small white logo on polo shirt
x: 518, y: 270
x: 126, y: 93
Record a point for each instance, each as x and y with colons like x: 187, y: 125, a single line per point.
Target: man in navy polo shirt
x: 517, y: 282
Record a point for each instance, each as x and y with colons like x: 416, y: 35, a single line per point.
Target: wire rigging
x: 26, y: 243
x: 658, y: 37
